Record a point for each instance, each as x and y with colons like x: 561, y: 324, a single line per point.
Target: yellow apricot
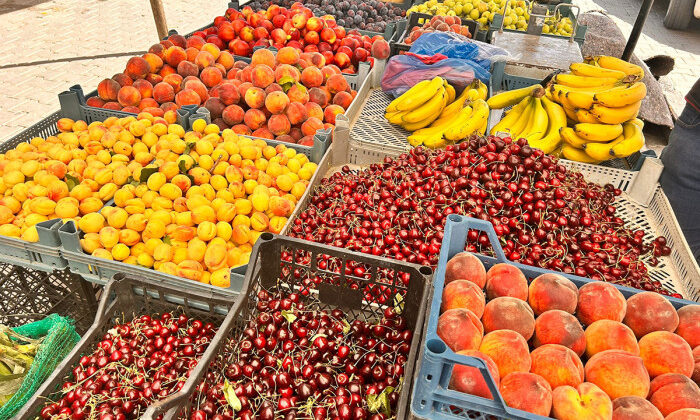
x: 202, y: 214
x: 102, y: 253
x: 10, y: 230
x: 109, y: 237
x: 129, y: 237
x: 30, y: 234
x: 136, y: 222
x: 221, y: 278
x: 120, y: 252
x: 206, y: 231
x: 284, y: 182
x: 156, y: 180
x: 196, y: 249
x: 259, y: 221
x: 90, y: 242
x: 117, y: 218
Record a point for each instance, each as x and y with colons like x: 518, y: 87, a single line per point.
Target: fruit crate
x: 28, y: 295
x: 416, y: 19
x: 272, y: 272
x: 431, y: 396
x: 124, y: 299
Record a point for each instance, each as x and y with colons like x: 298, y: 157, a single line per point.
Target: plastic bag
x: 455, y: 45
x: 404, y: 71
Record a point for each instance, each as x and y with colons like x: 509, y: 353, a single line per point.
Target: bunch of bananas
x: 533, y: 117
x: 601, y: 99
x: 436, y: 115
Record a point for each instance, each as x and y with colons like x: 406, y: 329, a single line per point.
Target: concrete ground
x: 55, y: 44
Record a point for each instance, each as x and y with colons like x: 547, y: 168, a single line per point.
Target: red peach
x: 108, y: 90
x: 606, y: 334
x: 174, y: 80
x: 337, y: 83
x: 635, y: 408
x: 263, y: 133
x: 129, y: 96
x: 278, y: 124
x: 463, y: 294
x: 319, y: 96
x: 552, y: 291
x: 689, y: 324
x: 233, y: 114
x: 298, y: 93
x: 199, y: 88
x: 242, y: 129
x: 558, y: 365
x: 310, y: 126
x: 255, y: 97
x: 288, y: 55
x: 262, y: 76
x: 312, y: 77
x: 122, y: 79
x: 509, y: 313
x: 276, y: 103
x: 187, y: 97
x: 95, y: 101
x: 211, y: 76
x: 648, y: 312
x: 228, y: 92
x: 330, y: 113
x: 559, y: 327
x: 137, y: 68
x: 313, y: 110
x: 296, y: 113
x: 465, y: 266
x: 600, y: 300
x: 263, y: 56
x: 505, y: 280
x: 527, y: 391
x: 144, y: 87
x: 460, y: 329
x: 671, y: 392
x: 618, y: 373
x: 469, y: 379
x: 187, y: 68
x: 685, y: 414
x: 287, y: 75
x: 508, y: 349
x: 254, y: 118
x: 174, y: 55
x: 215, y: 106
x: 343, y: 99
x: 163, y: 92
x: 666, y: 352
x: 586, y: 401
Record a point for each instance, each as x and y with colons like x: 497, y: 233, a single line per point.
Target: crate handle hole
x: 267, y: 236
x: 426, y: 271
x: 436, y: 346
x: 455, y: 218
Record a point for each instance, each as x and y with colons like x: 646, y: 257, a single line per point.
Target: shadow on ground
x: 7, y: 6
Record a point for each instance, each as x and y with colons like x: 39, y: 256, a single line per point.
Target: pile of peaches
x: 570, y: 353
x: 287, y: 95
x: 438, y: 24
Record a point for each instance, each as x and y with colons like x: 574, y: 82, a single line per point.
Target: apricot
x: 552, y: 291
x: 278, y: 125
x: 187, y: 97
x: 337, y: 83
x: 228, y: 93
x: 343, y: 99
x: 320, y: 96
x: 276, y: 102
x: 618, y: 373
x: 211, y: 76
x: 634, y: 408
x: 557, y: 364
x: 286, y: 75
x: 585, y: 401
x: 313, y: 110
x: 648, y: 312
x: 606, y: 334
x: 310, y: 126
x: 460, y: 329
x: 312, y: 77
x: 295, y: 112
x: 144, y: 87
x: 287, y: 55
x: 600, y: 300
x: 262, y: 76
x: 108, y: 90
x: 469, y: 379
x: 255, y: 97
x: 509, y: 313
x: 331, y: 112
x: 263, y: 56
x: 689, y: 324
x: 254, y: 118
x: 463, y: 294
x: 137, y: 68
x: 666, y: 352
x: 559, y: 327
x: 508, y: 349
x: 671, y: 392
x: 505, y: 280
x: 528, y: 392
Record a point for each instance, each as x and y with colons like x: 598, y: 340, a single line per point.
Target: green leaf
x: 188, y: 147
x: 231, y: 397
x: 71, y: 181
x: 374, y: 405
x: 346, y: 326
x: 289, y: 316
x: 167, y: 240
x: 380, y: 403
x: 181, y: 165
x: 398, y: 304
x: 146, y: 173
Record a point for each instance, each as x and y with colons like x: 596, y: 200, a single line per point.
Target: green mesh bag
x: 60, y: 339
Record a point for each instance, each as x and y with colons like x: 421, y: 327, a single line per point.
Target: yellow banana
x: 396, y: 117
x: 632, y: 142
x: 467, y: 127
x: 412, y: 100
x: 510, y: 97
x: 570, y: 114
x: 431, y: 108
x: 569, y: 136
x: 557, y: 152
x: 614, y: 63
x: 619, y: 98
x: 434, y: 142
x: 583, y: 69
x: 601, y: 151
x: 451, y: 94
x: 598, y: 132
x: 586, y: 117
x: 519, y: 125
x: 482, y: 89
x: 457, y: 104
x: 557, y: 120
x: 413, y: 90
x: 639, y: 123
x: 583, y: 81
x: 534, y: 104
x: 417, y: 125
x: 576, y: 155
x: 440, y: 126
x: 584, y: 100
x: 616, y: 115
x: 511, y: 117
x: 482, y: 129
x: 538, y: 126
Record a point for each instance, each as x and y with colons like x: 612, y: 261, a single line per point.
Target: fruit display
x: 134, y: 364
x: 438, y: 24
x: 436, y: 115
x: 295, y: 360
x: 555, y: 349
x: 269, y: 98
x: 516, y: 17
x: 533, y: 117
x: 543, y: 214
x: 17, y: 353
x: 601, y: 99
x: 373, y: 15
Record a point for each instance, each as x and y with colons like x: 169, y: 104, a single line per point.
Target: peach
x: 672, y: 392
x: 337, y: 83
x: 233, y: 114
x: 278, y: 125
x: 312, y: 77
x: 319, y: 96
x: 274, y: 87
x: 129, y: 96
x: 242, y: 129
x: 215, y: 106
x: 228, y: 93
x: 618, y: 373
x: 211, y: 76
x: 330, y: 70
x: 240, y: 47
x: 313, y: 110
x: 255, y: 97
x: 295, y: 112
x: 174, y: 80
x: 174, y: 55
x: 460, y: 329
x: 469, y: 379
x: 166, y: 70
x: 666, y: 352
x: 508, y: 349
x: 199, y: 88
x: 685, y: 414
x: 465, y: 266
x: 689, y: 324
x: 606, y: 334
x: 157, y: 49
x: 112, y: 105
x: 108, y: 90
x: 557, y: 364
x: 297, y: 135
x: 264, y: 133
x: 187, y: 68
x: 263, y: 56
x: 226, y: 59
x: 148, y: 103
x: 298, y: 93
x: 585, y: 401
x: 634, y: 408
x: 552, y: 291
x: 276, y: 102
x: 287, y: 75
x: 243, y: 88
x: 696, y: 369
x: 331, y: 112
x: 187, y: 97
x: 559, y: 327
x: 95, y: 101
x: 262, y: 76
x: 648, y: 312
x: 154, y: 78
x: 211, y: 49
x: 502, y: 279
x: 310, y: 126
x: 509, y: 313
x: 343, y: 99
x: 245, y: 75
x: 170, y: 107
x: 192, y: 55
x: 204, y: 59
x: 137, y: 68
x: 463, y: 294
x: 144, y: 87
x: 254, y: 118
x: 287, y: 55
x: 528, y: 392
x: 155, y: 62
x: 122, y: 79
x: 600, y: 300
x: 178, y: 40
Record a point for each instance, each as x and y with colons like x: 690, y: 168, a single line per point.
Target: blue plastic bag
x: 455, y: 45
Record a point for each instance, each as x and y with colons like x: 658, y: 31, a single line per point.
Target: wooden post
x: 159, y: 17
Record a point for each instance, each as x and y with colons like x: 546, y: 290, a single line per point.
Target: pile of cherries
x: 292, y: 361
x: 543, y: 214
x: 132, y: 366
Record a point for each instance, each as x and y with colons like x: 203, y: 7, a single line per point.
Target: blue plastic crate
x: 431, y: 397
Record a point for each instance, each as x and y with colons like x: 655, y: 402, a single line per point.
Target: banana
x: 557, y: 120
x: 510, y: 97
x: 412, y: 100
x: 620, y: 98
x: 632, y: 142
x: 451, y: 94
x: 482, y: 129
x: 583, y: 69
x: 584, y: 99
x: 538, y: 123
x: 432, y: 108
x: 467, y: 127
x: 519, y: 125
x: 557, y: 152
x: 614, y: 63
x: 395, y: 118
x: 616, y: 115
x: 458, y: 103
x: 417, y: 125
x: 482, y: 89
x: 598, y: 132
x: 413, y: 90
x: 576, y: 155
x: 569, y: 136
x: 571, y: 114
x: 601, y: 151
x: 441, y: 126
x: 583, y: 81
x: 586, y: 117
x: 639, y: 123
x: 511, y: 117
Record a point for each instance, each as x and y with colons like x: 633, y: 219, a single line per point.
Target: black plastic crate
x: 417, y: 19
